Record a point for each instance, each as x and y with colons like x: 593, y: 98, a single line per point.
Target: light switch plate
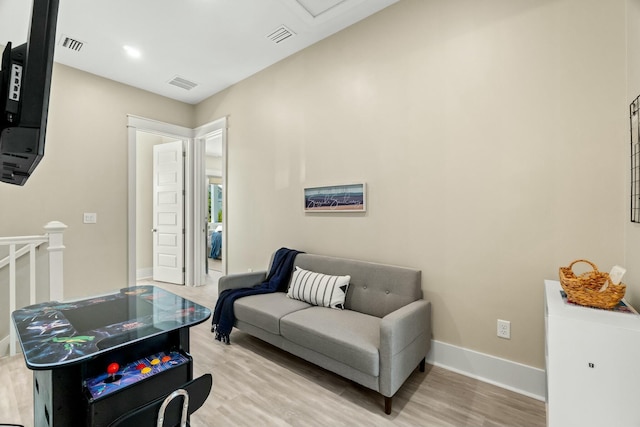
x: 90, y: 218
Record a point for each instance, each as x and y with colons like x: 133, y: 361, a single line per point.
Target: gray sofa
x: 378, y: 340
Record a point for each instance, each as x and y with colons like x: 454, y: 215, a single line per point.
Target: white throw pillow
x: 318, y: 289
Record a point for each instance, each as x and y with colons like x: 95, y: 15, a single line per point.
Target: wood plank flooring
x: 256, y: 384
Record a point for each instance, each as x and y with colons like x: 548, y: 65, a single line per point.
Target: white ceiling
x: 214, y: 43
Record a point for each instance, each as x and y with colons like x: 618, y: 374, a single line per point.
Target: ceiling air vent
x: 182, y: 83
x: 280, y: 34
x: 71, y: 44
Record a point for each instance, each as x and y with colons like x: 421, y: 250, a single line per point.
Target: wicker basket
x: 585, y: 288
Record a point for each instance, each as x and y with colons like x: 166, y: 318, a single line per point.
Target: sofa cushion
x: 348, y: 336
x: 266, y: 310
x: 318, y: 289
x: 375, y: 289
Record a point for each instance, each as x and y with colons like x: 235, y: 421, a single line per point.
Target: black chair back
x: 147, y: 415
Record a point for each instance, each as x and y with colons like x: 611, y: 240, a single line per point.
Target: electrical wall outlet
x: 504, y: 329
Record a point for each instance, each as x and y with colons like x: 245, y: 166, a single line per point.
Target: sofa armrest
x: 241, y: 280
x: 405, y: 338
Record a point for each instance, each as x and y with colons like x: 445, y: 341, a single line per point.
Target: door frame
x: 135, y: 124
x: 195, y: 173
x: 200, y: 136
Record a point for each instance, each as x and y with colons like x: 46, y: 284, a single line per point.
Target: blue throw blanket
x: 277, y: 280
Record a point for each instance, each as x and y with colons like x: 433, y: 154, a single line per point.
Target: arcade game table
x: 96, y: 359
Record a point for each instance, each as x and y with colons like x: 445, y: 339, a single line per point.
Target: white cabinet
x: 593, y: 364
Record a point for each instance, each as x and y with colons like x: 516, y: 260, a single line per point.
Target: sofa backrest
x: 375, y: 289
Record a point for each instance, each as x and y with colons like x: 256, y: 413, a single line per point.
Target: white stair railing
x: 22, y: 245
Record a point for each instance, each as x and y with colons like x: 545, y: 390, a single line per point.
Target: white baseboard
x: 504, y: 373
x: 144, y: 273
x: 4, y: 347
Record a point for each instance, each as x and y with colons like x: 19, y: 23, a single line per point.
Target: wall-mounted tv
x: 25, y: 82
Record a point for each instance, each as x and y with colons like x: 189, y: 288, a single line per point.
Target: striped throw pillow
x: 318, y: 289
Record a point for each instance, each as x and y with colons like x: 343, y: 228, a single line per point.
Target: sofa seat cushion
x: 348, y: 336
x: 266, y: 310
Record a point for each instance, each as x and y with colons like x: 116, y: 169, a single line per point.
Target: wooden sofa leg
x: 387, y: 405
x: 423, y: 364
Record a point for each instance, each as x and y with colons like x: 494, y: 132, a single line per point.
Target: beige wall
x: 85, y: 170
x: 492, y: 136
x: 632, y: 235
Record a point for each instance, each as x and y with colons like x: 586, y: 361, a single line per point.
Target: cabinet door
x: 592, y: 374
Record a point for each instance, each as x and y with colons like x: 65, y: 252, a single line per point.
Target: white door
x: 168, y: 213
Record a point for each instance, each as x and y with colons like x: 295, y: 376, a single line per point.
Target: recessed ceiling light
x: 132, y: 51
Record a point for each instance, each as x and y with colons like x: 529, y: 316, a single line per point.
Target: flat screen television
x: 25, y: 83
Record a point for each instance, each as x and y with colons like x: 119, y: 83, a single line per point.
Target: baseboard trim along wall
x: 4, y: 346
x: 144, y: 273
x: 504, y: 373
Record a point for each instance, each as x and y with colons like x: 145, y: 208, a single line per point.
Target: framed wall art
x: 336, y: 198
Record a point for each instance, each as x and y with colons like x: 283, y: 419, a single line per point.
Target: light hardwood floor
x: 256, y: 384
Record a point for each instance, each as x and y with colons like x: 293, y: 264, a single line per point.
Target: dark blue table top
x: 54, y: 334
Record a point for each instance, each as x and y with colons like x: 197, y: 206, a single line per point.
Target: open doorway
x: 143, y: 135
x: 195, y: 214
x: 211, y: 145
x: 215, y: 203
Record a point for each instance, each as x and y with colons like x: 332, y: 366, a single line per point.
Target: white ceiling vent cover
x: 71, y: 43
x: 182, y: 83
x: 280, y: 34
